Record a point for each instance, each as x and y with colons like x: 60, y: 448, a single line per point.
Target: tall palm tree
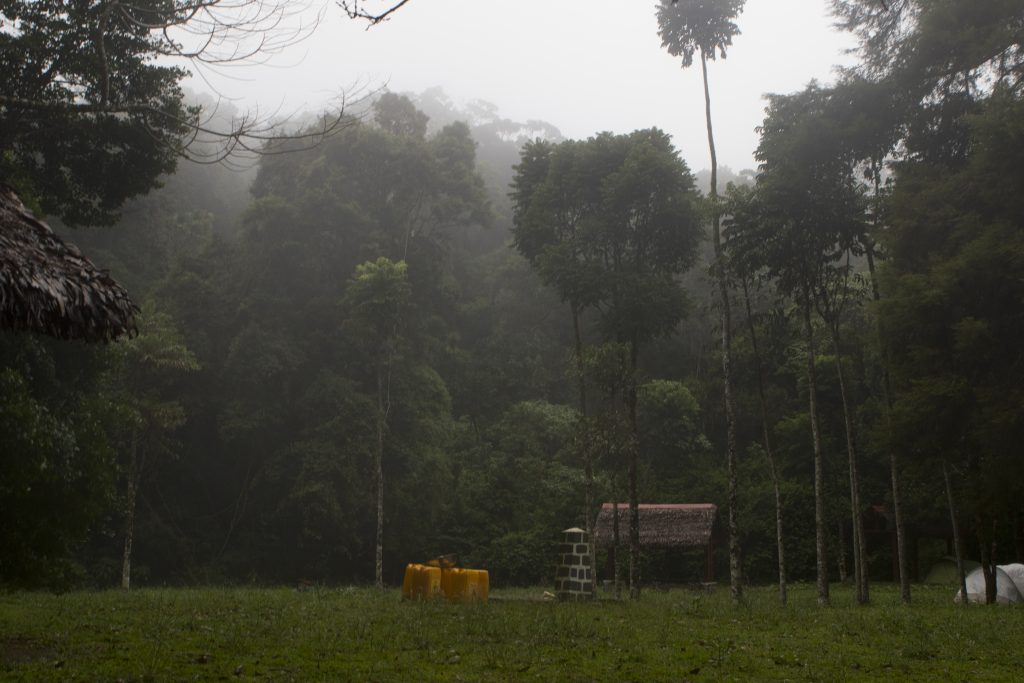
x: 705, y: 28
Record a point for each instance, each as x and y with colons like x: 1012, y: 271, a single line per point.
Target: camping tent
x: 1006, y: 590
x: 945, y: 572
x: 1016, y: 574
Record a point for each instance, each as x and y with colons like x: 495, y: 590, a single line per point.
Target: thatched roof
x: 47, y: 286
x: 670, y: 525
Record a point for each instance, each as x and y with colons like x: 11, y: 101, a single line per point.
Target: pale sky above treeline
x: 585, y: 66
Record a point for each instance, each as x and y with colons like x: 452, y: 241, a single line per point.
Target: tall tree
x: 832, y: 298
x: 143, y: 365
x: 634, y: 223
x: 648, y: 237
x: 378, y: 298
x: 952, y: 316
x: 797, y: 228
x: 869, y: 116
x: 740, y: 209
x: 928, y: 63
x: 88, y: 115
x: 706, y: 28
x: 554, y: 193
x: 74, y: 73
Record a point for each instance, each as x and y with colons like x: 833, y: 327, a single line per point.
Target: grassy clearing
x: 361, y: 634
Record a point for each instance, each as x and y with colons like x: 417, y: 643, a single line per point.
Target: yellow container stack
x: 423, y: 582
x: 465, y: 585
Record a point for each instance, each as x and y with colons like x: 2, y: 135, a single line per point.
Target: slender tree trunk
x: 841, y: 550
x: 129, y: 529
x: 634, y: 501
x: 587, y: 446
x: 820, y: 542
x: 859, y: 544
x: 617, y: 575
x: 129, y: 521
x: 984, y: 532
x: 958, y: 548
x: 772, y: 469
x: 383, y: 404
x: 894, y: 470
x: 735, y: 568
x: 988, y: 566
x: 634, y: 529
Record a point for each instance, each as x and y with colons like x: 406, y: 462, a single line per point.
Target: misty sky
x: 583, y: 65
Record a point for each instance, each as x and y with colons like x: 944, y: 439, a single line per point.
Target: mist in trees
x: 610, y: 223
x: 444, y: 330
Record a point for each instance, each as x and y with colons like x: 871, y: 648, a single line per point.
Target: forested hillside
x: 438, y: 330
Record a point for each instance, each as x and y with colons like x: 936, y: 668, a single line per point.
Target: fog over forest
x: 353, y: 294
x: 585, y: 66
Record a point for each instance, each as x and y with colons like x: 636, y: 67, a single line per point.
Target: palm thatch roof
x: 47, y: 286
x: 671, y: 525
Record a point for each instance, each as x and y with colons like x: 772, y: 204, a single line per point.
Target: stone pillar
x: 574, y: 577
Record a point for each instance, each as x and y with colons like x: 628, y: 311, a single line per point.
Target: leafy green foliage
x: 517, y: 486
x: 386, y: 241
x: 705, y: 27
x: 671, y: 437
x: 378, y: 297
x: 807, y: 209
x: 608, y: 223
x: 932, y: 44
x: 399, y: 116
x: 954, y: 284
x: 58, y: 469
x: 56, y: 59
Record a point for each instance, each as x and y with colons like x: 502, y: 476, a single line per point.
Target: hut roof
x: 670, y: 525
x: 48, y: 286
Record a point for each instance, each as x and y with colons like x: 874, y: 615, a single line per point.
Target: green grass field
x: 360, y: 634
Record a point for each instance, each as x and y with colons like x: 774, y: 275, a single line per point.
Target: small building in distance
x: 662, y: 525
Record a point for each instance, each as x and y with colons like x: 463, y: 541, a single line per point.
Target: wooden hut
x: 48, y: 286
x: 664, y: 525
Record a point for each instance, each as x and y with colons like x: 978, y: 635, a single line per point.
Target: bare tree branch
x: 209, y: 34
x: 246, y: 137
x: 353, y: 11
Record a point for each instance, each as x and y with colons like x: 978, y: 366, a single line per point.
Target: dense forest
x: 416, y: 328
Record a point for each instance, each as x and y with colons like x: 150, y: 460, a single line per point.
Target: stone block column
x: 574, y: 577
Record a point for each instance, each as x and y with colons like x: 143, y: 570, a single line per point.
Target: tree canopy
x: 92, y: 115
x: 391, y: 357
x: 704, y: 27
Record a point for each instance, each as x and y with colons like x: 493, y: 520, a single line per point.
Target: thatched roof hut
x: 47, y: 286
x: 671, y: 525
x: 664, y: 525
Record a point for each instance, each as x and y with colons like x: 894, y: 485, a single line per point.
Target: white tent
x: 1016, y: 574
x: 1007, y: 592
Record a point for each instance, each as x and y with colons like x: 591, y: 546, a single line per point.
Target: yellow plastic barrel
x: 465, y: 585
x: 421, y: 582
x: 477, y: 584
x: 457, y: 585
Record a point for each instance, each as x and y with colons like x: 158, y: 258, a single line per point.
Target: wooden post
x: 709, y: 561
